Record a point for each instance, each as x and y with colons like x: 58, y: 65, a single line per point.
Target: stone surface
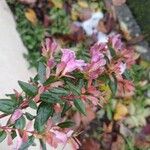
x: 130, y: 28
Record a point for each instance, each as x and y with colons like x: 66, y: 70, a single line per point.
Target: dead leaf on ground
x: 121, y: 112
x: 31, y: 16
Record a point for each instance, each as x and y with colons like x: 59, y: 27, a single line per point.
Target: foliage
x: 66, y: 84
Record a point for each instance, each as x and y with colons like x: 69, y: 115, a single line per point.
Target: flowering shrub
x: 65, y: 85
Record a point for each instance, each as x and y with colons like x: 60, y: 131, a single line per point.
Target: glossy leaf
x: 66, y: 107
x: 20, y: 123
x: 73, y: 88
x: 50, y: 98
x: 2, y: 136
x: 32, y: 104
x: 28, y: 88
x: 7, y: 105
x: 43, y: 113
x: 80, y: 106
x: 113, y: 84
x: 66, y: 124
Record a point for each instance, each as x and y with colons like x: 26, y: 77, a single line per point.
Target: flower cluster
x: 65, y: 86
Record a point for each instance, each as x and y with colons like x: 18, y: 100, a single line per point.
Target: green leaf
x: 127, y: 74
x: 51, y: 79
x: 66, y: 124
x: 20, y: 123
x: 76, y: 90
x: 59, y: 91
x: 109, y: 112
x: 43, y: 113
x: 2, y: 136
x: 28, y: 88
x: 49, y: 97
x: 7, y: 106
x: 43, y: 144
x: 29, y: 116
x: 112, y: 52
x: 32, y: 104
x: 80, y: 106
x: 113, y: 84
x: 66, y: 107
x: 26, y: 145
x: 41, y: 72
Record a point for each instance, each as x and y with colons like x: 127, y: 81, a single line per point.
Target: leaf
x: 50, y: 98
x: 32, y: 104
x: 73, y: 88
x: 26, y: 145
x: 59, y: 91
x: 20, y: 123
x: 66, y: 107
x: 41, y: 72
x: 57, y: 3
x: 29, y: 116
x: 28, y: 88
x: 127, y: 74
x: 43, y: 144
x: 113, y: 84
x: 80, y: 106
x: 109, y: 112
x: 51, y: 79
x: 31, y: 16
x: 83, y: 4
x: 2, y: 136
x: 112, y: 52
x: 66, y: 124
x: 7, y: 105
x: 121, y: 112
x: 43, y: 113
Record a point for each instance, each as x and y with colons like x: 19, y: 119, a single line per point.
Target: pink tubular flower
x: 115, y: 40
x: 69, y: 63
x: 16, y: 115
x: 96, y: 66
x: 118, y: 68
x: 49, y: 47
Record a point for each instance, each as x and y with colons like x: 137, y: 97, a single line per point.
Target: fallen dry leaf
x: 57, y: 3
x: 31, y: 16
x: 121, y: 112
x: 83, y: 4
x: 118, y: 2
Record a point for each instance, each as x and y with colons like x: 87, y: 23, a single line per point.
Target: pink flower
x: 96, y: 66
x: 49, y: 47
x: 128, y: 56
x: 69, y: 63
x: 115, y: 40
x: 118, y: 68
x: 16, y: 115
